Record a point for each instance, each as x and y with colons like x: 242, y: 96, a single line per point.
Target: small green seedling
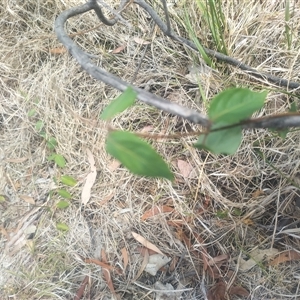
x: 63, y: 193
x: 226, y: 112
x: 62, y: 226
x: 63, y: 204
x: 68, y: 180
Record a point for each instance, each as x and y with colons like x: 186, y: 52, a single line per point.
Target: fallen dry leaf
x: 16, y: 160
x: 173, y: 263
x: 27, y: 199
x: 239, y: 291
x: 115, y: 164
x: 107, y: 275
x: 147, y: 128
x: 256, y: 256
x: 59, y: 50
x: 18, y: 245
x: 17, y: 239
x: 182, y: 237
x: 125, y: 257
x: 285, y: 256
x: 143, y: 250
x: 81, y: 289
x: 217, y: 292
x: 101, y: 264
x: 143, y: 266
x: 17, y: 185
x: 257, y: 193
x: 145, y: 243
x: 198, y: 73
x: 176, y: 223
x: 218, y: 259
x: 119, y: 49
x: 155, y: 263
x: 106, y: 199
x: 4, y: 232
x: 107, y: 278
x: 156, y: 210
x: 248, y: 222
x: 141, y: 41
x: 90, y: 179
x: 184, y: 167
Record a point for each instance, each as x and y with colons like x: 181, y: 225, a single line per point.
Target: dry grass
x: 68, y: 101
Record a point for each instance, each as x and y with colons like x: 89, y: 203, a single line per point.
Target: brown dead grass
x: 68, y: 101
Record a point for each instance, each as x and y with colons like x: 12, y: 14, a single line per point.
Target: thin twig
x: 167, y: 16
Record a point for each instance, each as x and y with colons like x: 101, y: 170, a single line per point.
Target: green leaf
x: 68, y: 180
x: 39, y: 125
x: 62, y: 226
x: 225, y: 141
x: 237, y: 212
x: 222, y: 214
x: 59, y: 160
x: 51, y: 157
x: 65, y: 194
x: 24, y: 94
x: 31, y: 113
x: 118, y: 105
x: 2, y: 198
x: 51, y: 143
x: 62, y: 204
x: 234, y: 105
x: 137, y: 155
x: 282, y: 133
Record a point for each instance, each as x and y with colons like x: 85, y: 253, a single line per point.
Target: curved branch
x: 277, y: 121
x: 94, y: 5
x: 108, y: 78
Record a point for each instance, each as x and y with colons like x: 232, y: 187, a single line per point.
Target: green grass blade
x: 200, y: 48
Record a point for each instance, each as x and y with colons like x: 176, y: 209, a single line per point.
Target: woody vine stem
x: 84, y: 59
